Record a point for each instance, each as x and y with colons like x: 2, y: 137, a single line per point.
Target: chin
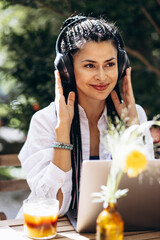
x: 101, y: 98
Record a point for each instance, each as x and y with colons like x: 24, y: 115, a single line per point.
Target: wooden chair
x: 7, y: 160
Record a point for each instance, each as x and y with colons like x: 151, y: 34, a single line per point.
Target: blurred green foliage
x: 8, y: 173
x: 28, y: 32
x: 5, y: 174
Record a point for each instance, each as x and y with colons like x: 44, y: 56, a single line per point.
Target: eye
x: 110, y: 64
x: 89, y: 65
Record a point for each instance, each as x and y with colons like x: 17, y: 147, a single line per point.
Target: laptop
x: 140, y: 209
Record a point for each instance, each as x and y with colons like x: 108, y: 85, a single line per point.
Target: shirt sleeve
x: 44, y: 178
x: 148, y: 138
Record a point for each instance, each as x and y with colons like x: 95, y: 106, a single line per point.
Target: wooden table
x: 66, y: 231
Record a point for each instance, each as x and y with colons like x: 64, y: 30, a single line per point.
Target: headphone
x: 65, y: 67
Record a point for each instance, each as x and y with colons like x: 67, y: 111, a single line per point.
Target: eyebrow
x: 92, y: 61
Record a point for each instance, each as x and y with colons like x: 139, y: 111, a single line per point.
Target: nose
x: 101, y: 75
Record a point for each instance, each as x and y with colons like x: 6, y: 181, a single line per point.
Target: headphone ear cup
x: 63, y: 64
x: 123, y: 63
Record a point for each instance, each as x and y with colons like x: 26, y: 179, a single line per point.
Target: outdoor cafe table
x: 66, y: 231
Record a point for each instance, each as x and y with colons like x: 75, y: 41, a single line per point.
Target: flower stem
x: 119, y: 176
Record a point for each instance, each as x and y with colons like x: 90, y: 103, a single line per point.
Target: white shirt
x: 45, y: 178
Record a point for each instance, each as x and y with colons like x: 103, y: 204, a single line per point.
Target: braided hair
x: 74, y: 38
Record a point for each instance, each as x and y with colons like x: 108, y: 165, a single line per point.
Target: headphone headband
x: 118, y: 38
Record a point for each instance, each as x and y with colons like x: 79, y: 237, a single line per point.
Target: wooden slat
x: 68, y: 234
x: 13, y: 185
x: 62, y: 223
x: 12, y: 222
x: 9, y: 160
x: 18, y: 222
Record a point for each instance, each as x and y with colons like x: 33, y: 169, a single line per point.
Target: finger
x: 127, y: 87
x: 128, y: 82
x: 124, y: 83
x: 58, y: 88
x: 124, y: 86
x: 71, y: 99
x: 116, y: 102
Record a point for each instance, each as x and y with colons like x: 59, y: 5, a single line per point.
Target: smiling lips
x: 100, y: 87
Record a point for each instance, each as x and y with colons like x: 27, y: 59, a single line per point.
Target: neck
x: 93, y: 110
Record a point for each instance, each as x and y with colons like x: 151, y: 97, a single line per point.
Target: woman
x: 91, y: 60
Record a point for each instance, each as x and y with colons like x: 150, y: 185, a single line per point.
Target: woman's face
x: 96, y: 70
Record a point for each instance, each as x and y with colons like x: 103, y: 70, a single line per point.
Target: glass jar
x: 110, y: 225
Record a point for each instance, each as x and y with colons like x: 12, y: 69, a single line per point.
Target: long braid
x: 76, y: 155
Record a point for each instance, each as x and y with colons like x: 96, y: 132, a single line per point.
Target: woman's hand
x: 127, y: 109
x: 65, y: 112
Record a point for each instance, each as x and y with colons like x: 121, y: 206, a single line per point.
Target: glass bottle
x: 110, y: 225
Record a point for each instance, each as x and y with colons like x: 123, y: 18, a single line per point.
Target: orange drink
x: 40, y: 218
